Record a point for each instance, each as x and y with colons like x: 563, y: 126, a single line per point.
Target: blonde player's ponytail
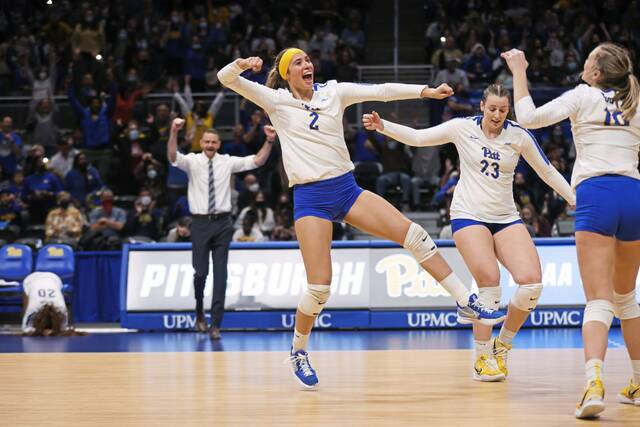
x: 629, y: 104
x: 616, y: 67
x: 274, y: 79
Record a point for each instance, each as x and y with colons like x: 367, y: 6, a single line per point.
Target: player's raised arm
x: 436, y: 135
x: 258, y: 94
x: 526, y: 112
x: 352, y: 93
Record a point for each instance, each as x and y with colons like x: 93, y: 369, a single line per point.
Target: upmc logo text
x: 432, y: 319
x: 556, y: 318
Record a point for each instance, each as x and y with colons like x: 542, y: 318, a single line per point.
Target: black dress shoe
x: 214, y: 333
x: 201, y: 323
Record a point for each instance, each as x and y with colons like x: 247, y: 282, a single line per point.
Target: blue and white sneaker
x: 478, y: 313
x: 302, y: 370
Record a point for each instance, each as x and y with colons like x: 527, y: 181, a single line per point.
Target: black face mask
x: 64, y: 204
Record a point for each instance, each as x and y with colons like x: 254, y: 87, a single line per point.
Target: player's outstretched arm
x: 436, y: 135
x: 353, y: 93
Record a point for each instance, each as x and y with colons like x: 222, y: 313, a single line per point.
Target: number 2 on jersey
x: 496, y: 169
x: 313, y: 125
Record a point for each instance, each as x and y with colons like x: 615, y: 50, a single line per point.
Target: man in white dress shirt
x: 209, y: 195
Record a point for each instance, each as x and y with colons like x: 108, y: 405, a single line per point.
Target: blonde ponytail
x: 616, y: 67
x: 630, y: 98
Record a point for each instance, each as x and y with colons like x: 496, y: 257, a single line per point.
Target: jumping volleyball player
x: 308, y: 119
x: 606, y: 131
x: 484, y: 219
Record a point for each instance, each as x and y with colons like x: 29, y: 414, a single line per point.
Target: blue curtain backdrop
x: 96, y: 293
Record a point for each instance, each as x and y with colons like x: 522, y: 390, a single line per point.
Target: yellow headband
x: 283, y: 66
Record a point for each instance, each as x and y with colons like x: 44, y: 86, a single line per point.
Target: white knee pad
x: 490, y: 297
x: 625, y: 306
x: 526, y: 297
x: 313, y: 299
x: 598, y: 310
x: 419, y: 243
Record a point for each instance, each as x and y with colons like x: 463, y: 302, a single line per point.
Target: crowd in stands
x: 107, y: 180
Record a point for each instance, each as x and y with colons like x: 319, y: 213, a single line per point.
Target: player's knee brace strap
x: 625, y: 306
x: 490, y: 297
x: 313, y: 299
x: 598, y: 310
x: 526, y: 297
x: 419, y: 243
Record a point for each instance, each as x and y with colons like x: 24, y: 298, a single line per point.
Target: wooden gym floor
x: 393, y: 387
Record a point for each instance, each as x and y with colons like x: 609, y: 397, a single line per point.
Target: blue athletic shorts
x: 494, y: 227
x: 609, y: 205
x: 330, y: 199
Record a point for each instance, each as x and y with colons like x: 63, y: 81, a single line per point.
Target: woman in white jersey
x: 484, y: 219
x: 45, y: 312
x: 606, y: 131
x: 308, y: 119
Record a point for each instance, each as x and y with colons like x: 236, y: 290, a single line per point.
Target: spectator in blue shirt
x: 446, y: 189
x: 478, y: 66
x: 10, y: 146
x: 368, y: 146
x: 95, y: 124
x: 196, y: 64
x: 181, y: 208
x: 82, y: 179
x: 9, y: 210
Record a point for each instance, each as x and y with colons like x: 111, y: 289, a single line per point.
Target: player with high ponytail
x: 606, y: 131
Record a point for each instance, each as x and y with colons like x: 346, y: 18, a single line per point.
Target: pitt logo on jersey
x: 493, y: 155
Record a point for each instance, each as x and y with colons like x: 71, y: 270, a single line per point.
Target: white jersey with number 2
x: 311, y: 132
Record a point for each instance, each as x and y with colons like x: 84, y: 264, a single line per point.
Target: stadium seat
x: 16, y: 262
x: 58, y: 259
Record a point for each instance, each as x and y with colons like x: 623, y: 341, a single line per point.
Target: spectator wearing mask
x: 82, y: 180
x: 150, y: 175
x: 263, y: 215
x: 181, y: 232
x: 250, y: 186
x: 44, y: 82
x: 40, y: 190
x: 62, y: 161
x: 144, y: 220
x: 10, y: 146
x: 64, y: 224
x: 107, y: 220
x: 249, y: 231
